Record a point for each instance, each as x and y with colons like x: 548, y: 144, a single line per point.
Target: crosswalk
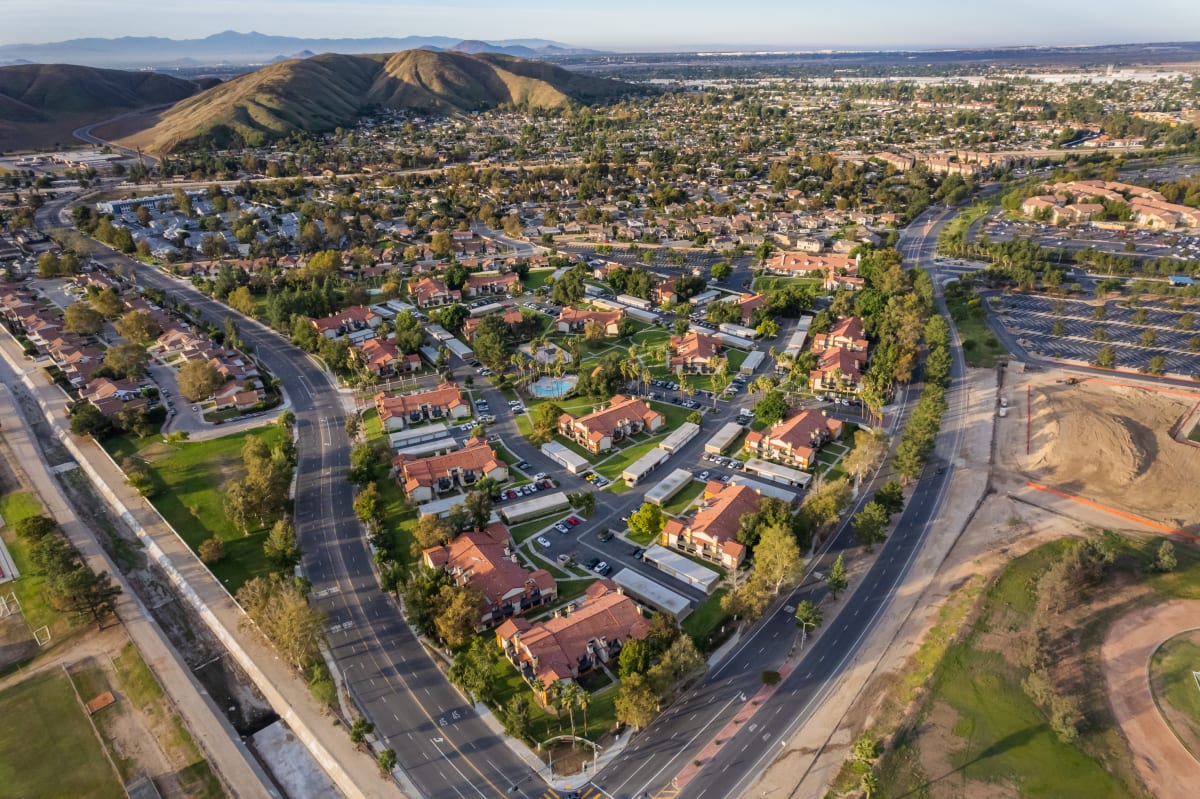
x: 568, y: 793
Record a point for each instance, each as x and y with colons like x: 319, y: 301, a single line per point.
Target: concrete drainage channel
x: 227, y: 684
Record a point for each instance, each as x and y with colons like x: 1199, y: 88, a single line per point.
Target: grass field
x: 705, y: 621
x: 47, y: 746
x: 686, y: 496
x: 617, y: 463
x: 31, y: 587
x: 536, y: 279
x: 1195, y: 434
x: 980, y: 346
x: 190, y: 477
x: 999, y: 736
x: 769, y: 283
x: 1174, y: 684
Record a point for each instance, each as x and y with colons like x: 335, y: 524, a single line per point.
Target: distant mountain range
x: 234, y: 48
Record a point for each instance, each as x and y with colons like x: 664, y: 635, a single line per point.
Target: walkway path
x: 1167, y: 768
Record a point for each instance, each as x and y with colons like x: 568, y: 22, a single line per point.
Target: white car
x: 543, y: 542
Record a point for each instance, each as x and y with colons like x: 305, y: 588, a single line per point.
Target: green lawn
x: 30, y: 588
x: 641, y: 538
x: 769, y: 283
x: 190, y: 478
x: 619, y: 462
x: 47, y: 746
x: 705, y: 620
x: 503, y: 454
x: 399, y: 517
x: 686, y: 496
x: 736, y: 358
x: 1004, y: 736
x: 371, y: 423
x: 980, y: 346
x: 675, y: 414
x: 530, y: 528
x: 536, y: 279
x: 1174, y: 684
x: 1195, y: 434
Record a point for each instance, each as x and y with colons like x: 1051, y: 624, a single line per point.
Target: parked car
x: 600, y: 568
x: 543, y: 541
x: 562, y: 528
x: 571, y: 520
x: 593, y: 562
x: 637, y: 552
x: 605, y: 534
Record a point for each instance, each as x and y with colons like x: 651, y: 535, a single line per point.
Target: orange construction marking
x: 1177, y: 392
x: 1113, y: 511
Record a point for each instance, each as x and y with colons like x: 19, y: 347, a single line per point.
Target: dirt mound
x: 1109, y: 444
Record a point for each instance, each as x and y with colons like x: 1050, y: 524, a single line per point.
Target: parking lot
x: 1145, y: 242
x: 1079, y: 331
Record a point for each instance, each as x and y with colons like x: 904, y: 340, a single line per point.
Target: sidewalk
x: 241, y: 774
x: 353, y: 772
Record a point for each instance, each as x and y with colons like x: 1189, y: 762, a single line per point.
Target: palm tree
x: 645, y: 378
x: 569, y: 696
x: 584, y: 699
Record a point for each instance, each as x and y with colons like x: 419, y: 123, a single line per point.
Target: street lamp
x: 804, y: 625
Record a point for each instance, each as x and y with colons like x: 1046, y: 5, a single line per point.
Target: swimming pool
x: 555, y: 387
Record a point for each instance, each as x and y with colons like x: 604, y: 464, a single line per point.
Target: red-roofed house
x: 430, y: 292
x: 445, y: 401
x: 847, y: 334
x: 573, y: 320
x: 424, y: 479
x: 383, y: 358
x: 600, y: 429
x: 794, y: 441
x: 838, y: 370
x: 484, y: 560
x: 802, y: 264
x: 565, y: 646
x: 356, y: 317
x: 508, y: 283
x: 696, y: 352
x: 712, y: 532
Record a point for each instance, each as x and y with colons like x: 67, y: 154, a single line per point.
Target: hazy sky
x: 627, y: 24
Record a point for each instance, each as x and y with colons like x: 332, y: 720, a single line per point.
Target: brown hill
x: 40, y: 104
x: 320, y: 93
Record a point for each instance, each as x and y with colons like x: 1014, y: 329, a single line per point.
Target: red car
x: 571, y: 520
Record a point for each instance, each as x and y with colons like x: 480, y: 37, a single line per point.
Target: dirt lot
x: 1106, y: 443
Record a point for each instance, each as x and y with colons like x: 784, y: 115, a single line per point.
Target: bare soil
x: 1106, y: 443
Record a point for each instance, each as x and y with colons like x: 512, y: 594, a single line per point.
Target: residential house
x: 847, y: 334
x: 381, y: 357
x: 430, y: 292
x: 801, y: 264
x: 712, y: 532
x: 397, y: 411
x: 347, y: 322
x: 571, y: 643
x: 573, y: 320
x: 838, y: 369
x: 424, y: 479
x: 511, y: 316
x: 600, y: 429
x: 696, y: 352
x: 484, y: 560
x: 476, y: 285
x: 794, y: 441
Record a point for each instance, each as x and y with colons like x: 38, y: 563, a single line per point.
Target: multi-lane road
x: 444, y: 748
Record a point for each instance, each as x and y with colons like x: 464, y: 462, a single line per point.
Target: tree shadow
x: 998, y: 748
